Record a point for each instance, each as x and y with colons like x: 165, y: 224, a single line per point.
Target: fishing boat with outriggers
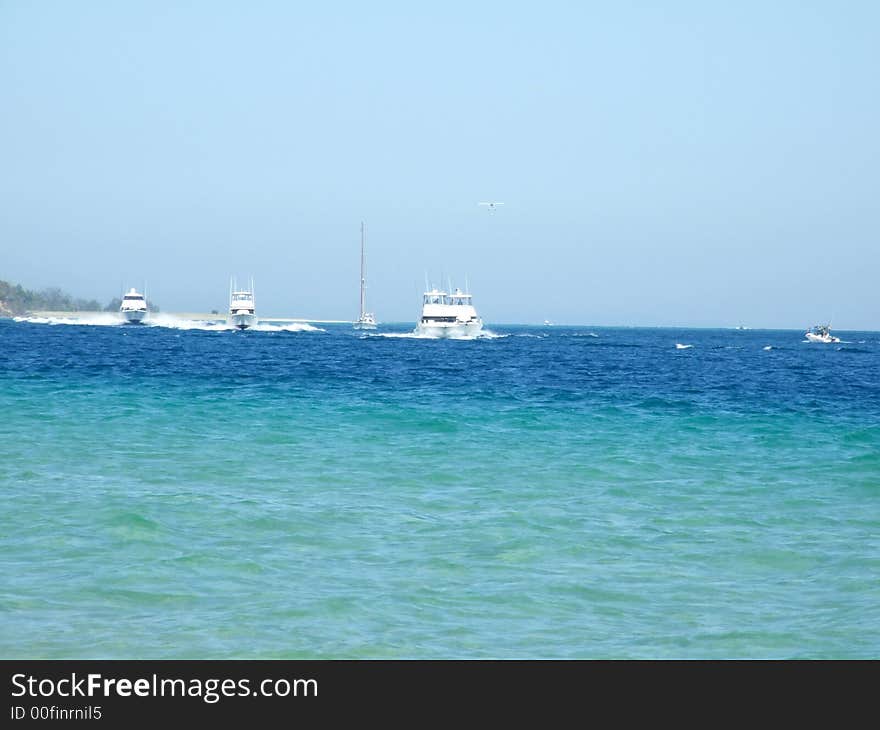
x: 366, y: 321
x: 242, y: 313
x: 821, y: 333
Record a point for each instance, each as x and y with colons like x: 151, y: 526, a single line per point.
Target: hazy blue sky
x: 692, y: 163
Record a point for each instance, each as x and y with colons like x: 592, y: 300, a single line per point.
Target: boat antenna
x: 253, y: 295
x: 467, y: 286
x: 427, y: 288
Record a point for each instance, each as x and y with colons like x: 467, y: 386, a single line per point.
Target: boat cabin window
x: 132, y: 296
x: 435, y: 298
x: 240, y: 297
x: 460, y: 299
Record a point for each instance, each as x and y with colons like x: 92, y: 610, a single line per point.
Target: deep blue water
x: 550, y: 492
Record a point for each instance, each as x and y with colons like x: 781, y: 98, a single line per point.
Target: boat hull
x: 824, y: 339
x: 242, y: 321
x: 133, y: 316
x: 364, y: 325
x: 449, y: 330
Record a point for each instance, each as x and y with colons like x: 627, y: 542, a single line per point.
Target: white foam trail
x: 482, y: 335
x: 679, y: 346
x: 486, y: 335
x: 220, y: 325
x: 98, y: 319
x: 172, y: 322
x: 769, y: 347
x: 111, y: 319
x: 401, y: 335
x: 292, y: 327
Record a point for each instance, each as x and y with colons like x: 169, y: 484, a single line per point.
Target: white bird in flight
x: 491, y: 206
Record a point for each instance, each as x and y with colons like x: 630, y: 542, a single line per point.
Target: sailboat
x: 366, y: 321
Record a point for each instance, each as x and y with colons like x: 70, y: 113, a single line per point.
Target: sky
x: 671, y: 164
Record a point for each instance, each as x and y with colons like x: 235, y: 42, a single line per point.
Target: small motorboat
x: 821, y: 333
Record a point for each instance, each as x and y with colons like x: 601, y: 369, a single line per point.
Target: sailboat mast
x: 363, y: 276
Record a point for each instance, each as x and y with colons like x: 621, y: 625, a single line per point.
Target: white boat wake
x: 98, y: 319
x: 175, y: 323
x: 172, y: 322
x: 292, y: 327
x: 169, y: 321
x: 679, y: 346
x: 481, y: 335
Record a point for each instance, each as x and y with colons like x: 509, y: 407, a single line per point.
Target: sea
x: 315, y: 492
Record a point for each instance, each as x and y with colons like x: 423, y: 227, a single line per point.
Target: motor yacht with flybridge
x: 241, y: 306
x: 133, y: 307
x: 448, y: 315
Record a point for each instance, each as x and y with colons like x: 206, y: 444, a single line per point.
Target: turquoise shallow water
x: 552, y: 492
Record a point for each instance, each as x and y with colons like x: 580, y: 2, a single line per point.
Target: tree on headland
x: 57, y: 300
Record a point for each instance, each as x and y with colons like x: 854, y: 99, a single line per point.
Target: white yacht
x: 241, y: 306
x: 448, y: 315
x: 821, y: 333
x: 366, y: 321
x: 134, y: 307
